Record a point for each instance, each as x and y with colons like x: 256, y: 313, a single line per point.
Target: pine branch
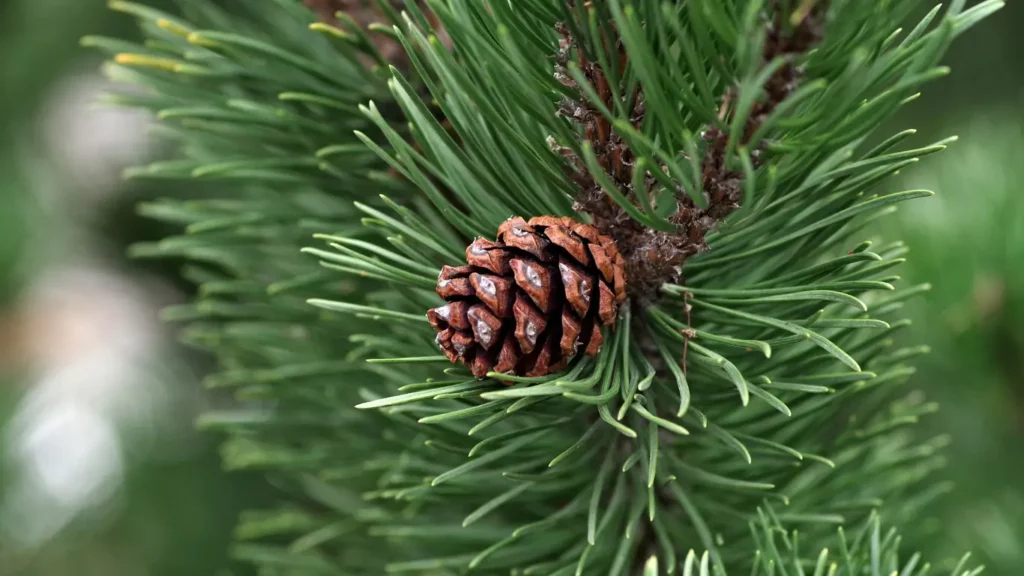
x: 656, y: 254
x: 761, y: 392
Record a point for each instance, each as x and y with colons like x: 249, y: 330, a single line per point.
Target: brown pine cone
x: 528, y: 302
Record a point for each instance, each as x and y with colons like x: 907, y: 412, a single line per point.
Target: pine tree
x: 742, y: 409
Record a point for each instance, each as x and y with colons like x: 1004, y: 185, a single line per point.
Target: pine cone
x: 527, y: 303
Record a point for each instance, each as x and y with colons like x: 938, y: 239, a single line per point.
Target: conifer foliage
x: 742, y: 415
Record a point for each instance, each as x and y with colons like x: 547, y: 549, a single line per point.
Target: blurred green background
x: 100, y: 471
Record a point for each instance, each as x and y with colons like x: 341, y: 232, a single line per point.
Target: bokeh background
x: 101, y: 469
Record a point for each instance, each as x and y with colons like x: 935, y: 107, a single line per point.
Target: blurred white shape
x: 73, y: 452
x: 92, y: 143
x: 69, y: 459
x: 92, y: 337
x: 94, y: 334
x: 94, y: 340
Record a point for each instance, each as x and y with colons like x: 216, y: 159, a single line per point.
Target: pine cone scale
x: 577, y: 287
x: 573, y: 246
x: 603, y: 262
x: 535, y: 281
x: 485, y: 325
x: 528, y: 302
x: 530, y: 324
x: 607, y: 303
x: 494, y: 291
x: 486, y: 254
x: 508, y: 357
x: 594, y: 343
x: 571, y: 328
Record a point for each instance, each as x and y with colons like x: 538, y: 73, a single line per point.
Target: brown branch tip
x: 654, y: 257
